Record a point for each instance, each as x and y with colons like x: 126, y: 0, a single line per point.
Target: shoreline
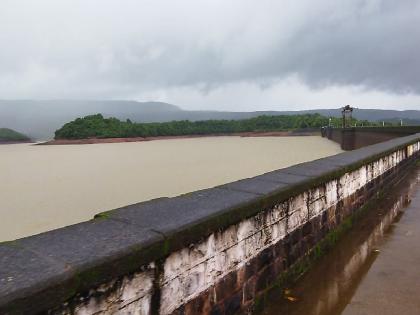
x: 141, y: 139
x: 15, y: 142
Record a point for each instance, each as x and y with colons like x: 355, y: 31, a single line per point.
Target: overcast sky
x: 224, y: 55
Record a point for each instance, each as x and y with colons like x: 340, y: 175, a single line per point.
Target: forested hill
x: 96, y: 126
x: 40, y: 118
x: 9, y: 135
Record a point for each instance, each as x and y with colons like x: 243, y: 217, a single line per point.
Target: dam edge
x: 211, y: 251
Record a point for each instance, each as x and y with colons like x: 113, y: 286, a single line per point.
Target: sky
x: 237, y: 55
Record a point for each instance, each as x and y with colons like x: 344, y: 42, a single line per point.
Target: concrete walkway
x: 374, y: 269
x: 392, y: 285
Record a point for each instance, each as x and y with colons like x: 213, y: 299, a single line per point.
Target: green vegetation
x: 9, y: 135
x: 96, y: 126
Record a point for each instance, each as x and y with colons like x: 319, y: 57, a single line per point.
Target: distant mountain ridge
x: 9, y: 135
x: 39, y: 119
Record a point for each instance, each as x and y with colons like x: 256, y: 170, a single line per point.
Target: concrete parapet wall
x: 358, y: 137
x: 215, y: 251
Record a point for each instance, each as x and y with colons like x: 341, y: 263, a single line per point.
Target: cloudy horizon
x: 218, y: 55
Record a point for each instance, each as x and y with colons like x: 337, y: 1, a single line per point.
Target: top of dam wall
x: 404, y: 130
x: 49, y: 268
x: 358, y: 137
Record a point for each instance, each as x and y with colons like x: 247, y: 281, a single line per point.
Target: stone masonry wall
x: 224, y: 273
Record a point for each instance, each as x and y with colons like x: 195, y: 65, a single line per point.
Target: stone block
x: 98, y: 250
x: 249, y: 288
x: 226, y: 286
x: 265, y: 278
x: 256, y: 186
x: 232, y: 304
x: 280, y: 176
x: 190, y: 217
x: 30, y: 282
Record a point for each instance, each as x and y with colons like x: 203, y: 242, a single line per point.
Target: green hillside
x: 96, y: 126
x: 9, y: 135
x: 40, y: 118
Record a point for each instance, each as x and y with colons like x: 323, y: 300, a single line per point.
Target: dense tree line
x: 96, y: 126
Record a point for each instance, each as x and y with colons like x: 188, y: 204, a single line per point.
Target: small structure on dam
x: 346, y: 113
x: 351, y: 137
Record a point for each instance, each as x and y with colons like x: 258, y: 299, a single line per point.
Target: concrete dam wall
x: 215, y: 251
x: 359, y: 137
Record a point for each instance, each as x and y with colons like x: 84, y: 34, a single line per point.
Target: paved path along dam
x: 372, y: 270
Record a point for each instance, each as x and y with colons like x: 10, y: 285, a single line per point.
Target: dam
x: 370, y: 270
x: 219, y: 250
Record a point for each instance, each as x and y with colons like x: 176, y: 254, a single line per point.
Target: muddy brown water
x: 373, y: 270
x: 47, y: 187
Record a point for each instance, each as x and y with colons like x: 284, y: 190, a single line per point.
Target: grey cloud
x: 115, y: 50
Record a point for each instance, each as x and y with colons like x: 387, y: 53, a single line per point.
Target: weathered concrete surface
x: 371, y: 270
x: 359, y: 137
x: 392, y: 284
x: 211, y: 251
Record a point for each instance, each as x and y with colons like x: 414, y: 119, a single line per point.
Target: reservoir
x: 47, y: 187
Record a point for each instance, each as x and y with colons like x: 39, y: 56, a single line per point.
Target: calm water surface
x: 46, y: 187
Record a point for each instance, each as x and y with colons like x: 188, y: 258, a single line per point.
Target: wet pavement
x: 374, y: 269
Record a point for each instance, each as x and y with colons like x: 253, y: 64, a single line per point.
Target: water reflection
x: 332, y: 282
